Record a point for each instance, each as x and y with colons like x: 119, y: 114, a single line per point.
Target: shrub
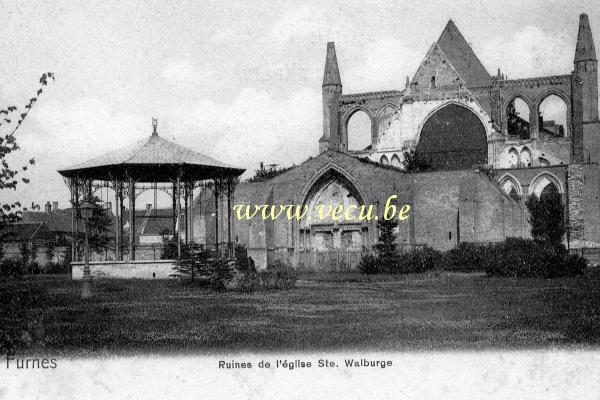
x: 278, y: 275
x: 59, y: 267
x: 243, y: 262
x: 467, y: 257
x: 418, y: 260
x: 219, y: 273
x: 575, y: 265
x: 530, y: 258
x: 11, y: 269
x: 369, y: 264
x: 20, y: 320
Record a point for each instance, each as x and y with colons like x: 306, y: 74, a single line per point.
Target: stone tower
x: 332, y: 90
x: 585, y: 99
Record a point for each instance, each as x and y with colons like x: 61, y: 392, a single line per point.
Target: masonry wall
x: 591, y: 202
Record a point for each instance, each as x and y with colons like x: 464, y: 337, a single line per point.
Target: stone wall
x: 576, y: 198
x: 160, y: 269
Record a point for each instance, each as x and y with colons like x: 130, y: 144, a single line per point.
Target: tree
x: 11, y: 119
x: 99, y: 227
x: 386, y: 246
x: 264, y: 174
x: 547, y: 216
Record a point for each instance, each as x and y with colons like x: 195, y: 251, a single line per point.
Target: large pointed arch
x: 541, y: 180
x: 328, y: 171
x: 452, y: 137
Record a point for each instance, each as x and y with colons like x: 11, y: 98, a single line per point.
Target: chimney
x: 48, y: 207
x: 55, y: 206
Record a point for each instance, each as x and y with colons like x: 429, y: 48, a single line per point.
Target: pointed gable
x: 461, y: 56
x: 436, y: 64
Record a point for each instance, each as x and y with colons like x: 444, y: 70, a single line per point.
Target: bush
x: 515, y: 257
x: 59, y: 267
x: 216, y: 271
x: 21, y: 313
x: 418, y: 260
x: 219, y: 273
x: 278, y: 275
x: 529, y: 258
x: 243, y: 262
x: 467, y: 257
x: 369, y: 264
x: 11, y: 269
x: 413, y: 261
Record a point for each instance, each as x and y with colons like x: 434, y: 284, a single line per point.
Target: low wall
x: 142, y: 269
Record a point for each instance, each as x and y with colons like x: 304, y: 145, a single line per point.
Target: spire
x: 585, y: 51
x: 154, y: 127
x: 332, y: 72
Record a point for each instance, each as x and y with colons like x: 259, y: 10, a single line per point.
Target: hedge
x: 513, y: 257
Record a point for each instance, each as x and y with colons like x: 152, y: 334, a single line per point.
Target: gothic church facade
x: 484, y: 137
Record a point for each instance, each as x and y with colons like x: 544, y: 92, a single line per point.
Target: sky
x: 239, y: 81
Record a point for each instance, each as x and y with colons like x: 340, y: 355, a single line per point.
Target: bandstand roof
x: 152, y: 159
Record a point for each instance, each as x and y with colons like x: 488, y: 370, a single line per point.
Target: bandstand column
x: 178, y: 223
x: 73, y: 216
x: 131, y: 219
x: 116, y: 186
x: 174, y: 210
x: 76, y: 234
x: 229, y: 193
x: 185, y: 200
x: 191, y: 212
x: 217, y: 194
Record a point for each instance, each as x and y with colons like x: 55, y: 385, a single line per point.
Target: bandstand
x: 159, y: 165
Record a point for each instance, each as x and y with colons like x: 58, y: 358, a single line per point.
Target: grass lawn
x: 324, y: 312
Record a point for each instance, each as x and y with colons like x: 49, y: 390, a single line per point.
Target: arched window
x: 513, y: 158
x: 545, y: 183
x: 396, y: 161
x: 553, y: 117
x: 359, y: 131
x: 384, y: 160
x: 511, y: 187
x: 517, y: 118
x: 525, y: 158
x: 432, y: 84
x: 452, y: 138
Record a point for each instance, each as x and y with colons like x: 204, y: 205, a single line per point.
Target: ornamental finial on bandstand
x: 154, y: 126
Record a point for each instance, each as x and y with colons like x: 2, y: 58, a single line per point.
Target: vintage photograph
x: 217, y: 179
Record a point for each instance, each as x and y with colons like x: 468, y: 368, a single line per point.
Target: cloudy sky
x: 237, y: 80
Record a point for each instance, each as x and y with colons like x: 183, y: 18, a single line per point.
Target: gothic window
x: 453, y: 138
x: 432, y: 85
x: 544, y: 184
x: 517, y: 118
x: 525, y: 157
x: 384, y: 160
x: 513, y: 158
x: 510, y: 187
x: 553, y: 117
x: 396, y: 161
x: 358, y: 130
